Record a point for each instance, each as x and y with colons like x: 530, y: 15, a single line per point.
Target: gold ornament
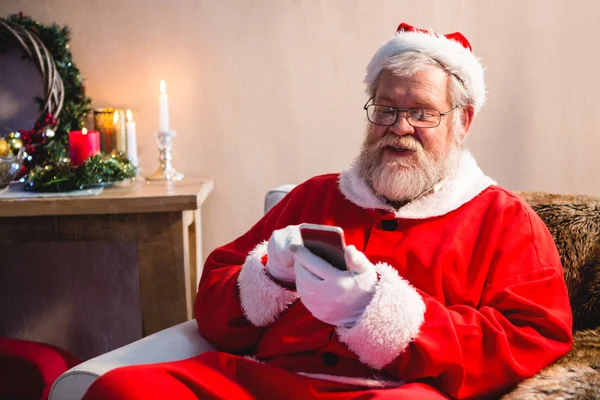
x: 15, y: 144
x: 4, y: 148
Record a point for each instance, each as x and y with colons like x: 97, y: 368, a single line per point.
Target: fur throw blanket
x: 574, y: 222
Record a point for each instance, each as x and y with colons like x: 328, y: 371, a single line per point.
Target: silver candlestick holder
x: 165, y: 172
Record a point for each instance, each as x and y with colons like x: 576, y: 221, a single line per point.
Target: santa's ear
x: 467, y: 115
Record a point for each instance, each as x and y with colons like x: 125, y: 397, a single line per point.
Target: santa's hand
x: 333, y: 296
x: 280, y: 263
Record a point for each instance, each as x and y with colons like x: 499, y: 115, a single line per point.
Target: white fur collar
x: 467, y: 182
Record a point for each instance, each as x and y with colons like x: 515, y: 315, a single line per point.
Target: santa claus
x: 453, y: 286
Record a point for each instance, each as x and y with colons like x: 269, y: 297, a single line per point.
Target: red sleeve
x: 217, y: 308
x: 515, y: 333
x: 227, y: 319
x: 522, y: 324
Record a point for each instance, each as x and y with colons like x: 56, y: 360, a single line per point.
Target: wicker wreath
x: 35, y: 49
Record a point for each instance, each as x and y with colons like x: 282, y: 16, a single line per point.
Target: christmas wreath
x: 63, y: 109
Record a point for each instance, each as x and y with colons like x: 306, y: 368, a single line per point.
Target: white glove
x: 333, y: 296
x: 280, y: 263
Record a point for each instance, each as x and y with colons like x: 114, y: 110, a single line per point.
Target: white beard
x: 401, y: 182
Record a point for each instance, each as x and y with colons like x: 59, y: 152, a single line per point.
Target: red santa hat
x: 453, y: 51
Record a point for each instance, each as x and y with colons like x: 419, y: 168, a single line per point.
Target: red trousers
x: 215, y: 375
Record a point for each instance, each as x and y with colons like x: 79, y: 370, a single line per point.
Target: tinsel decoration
x: 59, y: 176
x: 47, y: 140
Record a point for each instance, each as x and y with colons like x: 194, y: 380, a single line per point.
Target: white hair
x: 408, y: 64
x: 398, y: 181
x: 412, y: 51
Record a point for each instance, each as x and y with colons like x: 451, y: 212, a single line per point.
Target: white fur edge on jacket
x: 390, y: 322
x: 262, y: 299
x: 462, y: 186
x: 457, y: 59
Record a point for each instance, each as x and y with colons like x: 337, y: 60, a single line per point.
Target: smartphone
x: 326, y: 242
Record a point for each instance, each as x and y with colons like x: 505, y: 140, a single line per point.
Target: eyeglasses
x: 416, y: 117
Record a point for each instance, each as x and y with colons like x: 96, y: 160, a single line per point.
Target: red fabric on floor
x: 215, y: 375
x: 28, y: 369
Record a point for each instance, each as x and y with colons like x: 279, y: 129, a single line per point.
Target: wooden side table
x: 163, y: 219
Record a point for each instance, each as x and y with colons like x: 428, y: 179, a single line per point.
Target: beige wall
x: 269, y: 92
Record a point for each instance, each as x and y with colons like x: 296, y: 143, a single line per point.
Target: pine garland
x: 59, y: 175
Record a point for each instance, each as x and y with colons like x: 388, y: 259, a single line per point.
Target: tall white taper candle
x: 163, y: 108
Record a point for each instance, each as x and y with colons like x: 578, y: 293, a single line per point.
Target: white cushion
x: 176, y: 343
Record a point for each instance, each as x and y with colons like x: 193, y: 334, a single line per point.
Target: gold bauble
x: 4, y: 148
x: 15, y: 144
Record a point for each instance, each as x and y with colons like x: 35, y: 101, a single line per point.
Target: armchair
x: 574, y: 222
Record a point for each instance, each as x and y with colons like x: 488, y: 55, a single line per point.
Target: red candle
x: 83, y: 144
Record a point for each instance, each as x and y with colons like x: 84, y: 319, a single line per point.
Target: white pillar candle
x: 131, y: 140
x: 163, y: 108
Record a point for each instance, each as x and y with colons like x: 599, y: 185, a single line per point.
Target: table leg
x: 163, y: 262
x: 196, y: 256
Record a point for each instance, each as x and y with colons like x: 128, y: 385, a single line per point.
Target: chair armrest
x: 274, y: 195
x: 176, y: 343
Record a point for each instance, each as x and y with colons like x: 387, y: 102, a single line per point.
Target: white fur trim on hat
x: 262, y: 299
x: 467, y: 181
x: 451, y: 54
x: 389, y: 323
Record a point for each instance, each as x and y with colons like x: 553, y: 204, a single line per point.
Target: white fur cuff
x: 390, y: 322
x: 262, y: 299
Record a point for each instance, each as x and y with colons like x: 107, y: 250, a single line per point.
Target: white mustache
x: 401, y: 142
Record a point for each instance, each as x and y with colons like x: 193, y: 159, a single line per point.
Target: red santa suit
x: 470, y: 299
